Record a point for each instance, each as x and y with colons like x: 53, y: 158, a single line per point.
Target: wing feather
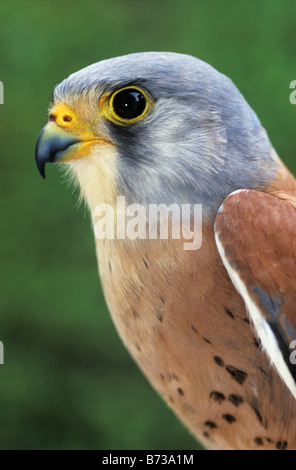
x: 256, y: 238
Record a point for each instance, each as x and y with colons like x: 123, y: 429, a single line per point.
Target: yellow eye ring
x: 127, y: 105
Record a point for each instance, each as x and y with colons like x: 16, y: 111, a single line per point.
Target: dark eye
x: 129, y: 103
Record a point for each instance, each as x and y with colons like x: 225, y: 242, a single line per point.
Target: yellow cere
x: 64, y: 116
x: 63, y: 119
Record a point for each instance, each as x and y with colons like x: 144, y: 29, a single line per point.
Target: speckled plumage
x: 178, y: 312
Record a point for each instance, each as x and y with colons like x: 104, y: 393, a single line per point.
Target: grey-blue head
x: 196, y: 141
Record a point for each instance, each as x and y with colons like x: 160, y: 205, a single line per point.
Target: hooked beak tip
x: 51, y: 144
x: 40, y: 160
x: 41, y: 169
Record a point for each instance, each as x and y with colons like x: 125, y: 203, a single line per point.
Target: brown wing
x: 256, y: 239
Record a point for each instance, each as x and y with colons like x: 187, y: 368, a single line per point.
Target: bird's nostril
x: 67, y: 118
x: 52, y: 117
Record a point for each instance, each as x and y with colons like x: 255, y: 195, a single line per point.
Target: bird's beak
x: 64, y: 138
x: 54, y: 145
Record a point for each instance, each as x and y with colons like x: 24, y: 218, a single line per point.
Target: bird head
x: 156, y: 127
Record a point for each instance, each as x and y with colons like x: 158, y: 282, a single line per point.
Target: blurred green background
x: 68, y: 382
